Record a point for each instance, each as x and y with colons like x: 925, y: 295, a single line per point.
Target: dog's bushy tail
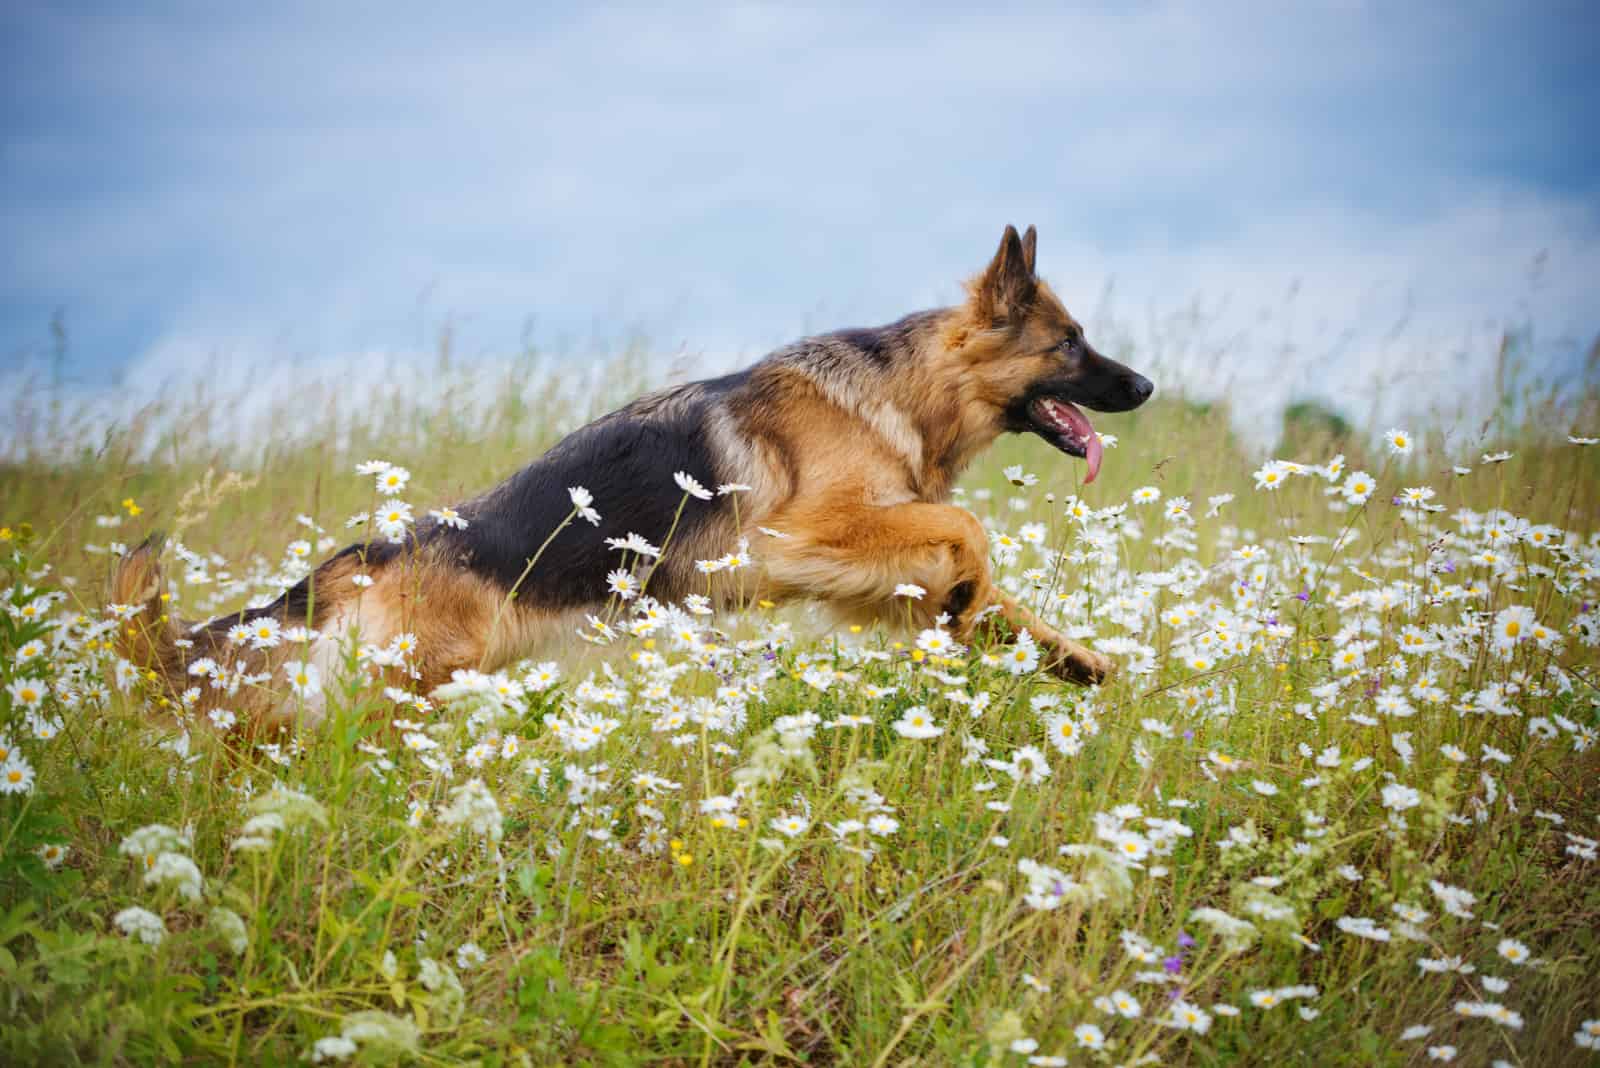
x: 148, y: 638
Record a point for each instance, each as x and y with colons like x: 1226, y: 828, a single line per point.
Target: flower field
x: 1338, y: 805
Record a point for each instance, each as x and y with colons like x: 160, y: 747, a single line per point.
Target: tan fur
x: 753, y: 455
x: 149, y: 637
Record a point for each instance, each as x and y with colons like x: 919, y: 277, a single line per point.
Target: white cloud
x: 343, y: 179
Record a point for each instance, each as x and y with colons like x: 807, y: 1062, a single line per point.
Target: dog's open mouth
x: 1064, y: 425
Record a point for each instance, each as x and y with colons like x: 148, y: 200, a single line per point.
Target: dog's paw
x: 1083, y: 666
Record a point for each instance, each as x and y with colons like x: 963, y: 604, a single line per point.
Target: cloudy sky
x: 1294, y: 198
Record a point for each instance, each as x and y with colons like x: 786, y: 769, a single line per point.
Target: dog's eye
x: 1071, y: 345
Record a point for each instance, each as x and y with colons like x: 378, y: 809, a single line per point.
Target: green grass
x: 736, y: 944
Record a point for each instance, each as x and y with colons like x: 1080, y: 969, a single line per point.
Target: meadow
x: 1338, y: 805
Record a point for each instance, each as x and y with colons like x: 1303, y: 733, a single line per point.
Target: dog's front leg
x: 855, y: 556
x: 1063, y: 657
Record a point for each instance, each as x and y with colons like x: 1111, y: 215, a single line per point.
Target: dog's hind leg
x: 451, y: 618
x: 855, y: 556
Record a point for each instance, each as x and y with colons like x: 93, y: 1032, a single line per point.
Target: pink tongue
x: 1092, y: 454
x: 1071, y: 418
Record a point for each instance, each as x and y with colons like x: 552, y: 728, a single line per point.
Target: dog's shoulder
x: 850, y: 384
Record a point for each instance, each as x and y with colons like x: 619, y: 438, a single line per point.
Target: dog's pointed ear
x: 1004, y: 292
x: 1030, y: 251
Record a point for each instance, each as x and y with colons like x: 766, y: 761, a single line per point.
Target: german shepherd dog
x: 846, y: 445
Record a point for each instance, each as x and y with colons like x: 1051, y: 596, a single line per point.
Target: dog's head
x: 1028, y: 365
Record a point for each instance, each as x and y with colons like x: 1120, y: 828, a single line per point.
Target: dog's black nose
x: 1142, y: 388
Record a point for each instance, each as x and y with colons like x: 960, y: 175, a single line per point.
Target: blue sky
x: 199, y: 183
